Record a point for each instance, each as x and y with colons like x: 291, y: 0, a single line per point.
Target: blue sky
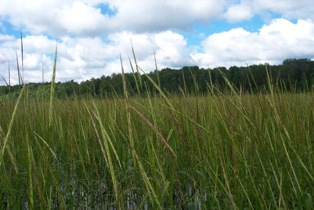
x: 91, y: 34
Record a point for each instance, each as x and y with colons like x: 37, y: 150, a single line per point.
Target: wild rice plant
x: 214, y: 151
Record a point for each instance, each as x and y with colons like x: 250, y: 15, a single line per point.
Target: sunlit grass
x: 213, y: 151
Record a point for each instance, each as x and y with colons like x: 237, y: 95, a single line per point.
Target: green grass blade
x: 10, y: 125
x: 52, y: 88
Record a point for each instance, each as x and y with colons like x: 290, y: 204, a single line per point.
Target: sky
x: 91, y: 35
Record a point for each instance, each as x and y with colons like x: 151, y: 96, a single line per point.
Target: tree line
x: 291, y: 75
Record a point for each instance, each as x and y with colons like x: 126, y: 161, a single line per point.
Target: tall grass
x: 215, y: 151
x: 52, y: 88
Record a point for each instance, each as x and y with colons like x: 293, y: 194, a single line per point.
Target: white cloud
x: 90, y: 42
x: 6, y: 38
x: 139, y: 15
x: 295, y: 9
x: 68, y: 17
x: 54, y: 17
x: 83, y: 58
x: 78, y: 18
x: 85, y: 18
x: 273, y: 43
x: 172, y: 50
x: 238, y: 13
x: 38, y: 44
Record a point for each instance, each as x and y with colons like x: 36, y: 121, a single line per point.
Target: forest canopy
x: 291, y: 75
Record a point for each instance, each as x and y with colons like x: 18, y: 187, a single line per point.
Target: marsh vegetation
x: 214, y: 150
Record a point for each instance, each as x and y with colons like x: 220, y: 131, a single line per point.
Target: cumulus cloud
x: 172, y: 50
x: 57, y: 17
x: 86, y: 18
x: 6, y: 38
x: 301, y: 9
x: 139, y: 16
x: 169, y: 48
x: 82, y: 58
x: 53, y: 17
x: 78, y: 18
x: 238, y: 13
x: 273, y: 43
x: 90, y: 38
x: 268, y: 9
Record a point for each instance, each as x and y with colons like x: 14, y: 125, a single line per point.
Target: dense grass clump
x: 203, y: 151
